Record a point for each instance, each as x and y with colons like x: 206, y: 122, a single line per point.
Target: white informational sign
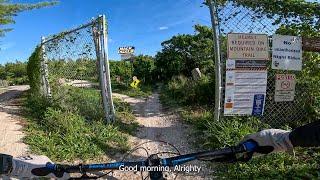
x: 126, y: 50
x: 245, y: 88
x: 286, y: 52
x: 285, y: 87
x: 248, y: 46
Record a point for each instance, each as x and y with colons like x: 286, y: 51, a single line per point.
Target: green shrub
x: 65, y: 136
x: 86, y: 101
x: 191, y: 92
x: 36, y: 105
x: 33, y: 70
x: 217, y: 134
x: 71, y: 125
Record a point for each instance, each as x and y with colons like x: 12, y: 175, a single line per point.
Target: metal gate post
x: 44, y: 71
x: 106, y: 64
x: 104, y: 74
x: 216, y: 41
x: 98, y: 45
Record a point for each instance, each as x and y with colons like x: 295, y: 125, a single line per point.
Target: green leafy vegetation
x: 15, y: 73
x: 182, y: 53
x: 72, y: 126
x: 122, y: 72
x: 9, y: 10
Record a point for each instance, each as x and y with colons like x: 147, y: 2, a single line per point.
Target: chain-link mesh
x: 71, y: 58
x: 234, y: 18
x: 73, y: 70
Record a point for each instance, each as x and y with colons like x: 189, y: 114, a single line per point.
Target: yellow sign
x: 135, y: 82
x: 248, y: 46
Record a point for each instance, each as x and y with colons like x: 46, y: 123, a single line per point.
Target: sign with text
x: 245, y: 88
x: 285, y: 87
x: 286, y: 52
x: 244, y: 46
x: 126, y: 50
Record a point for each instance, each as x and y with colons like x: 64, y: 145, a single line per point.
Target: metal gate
x: 77, y: 60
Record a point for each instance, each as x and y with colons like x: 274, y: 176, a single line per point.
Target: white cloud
x: 8, y: 45
x: 163, y: 28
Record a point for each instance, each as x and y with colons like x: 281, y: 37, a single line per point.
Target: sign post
x: 126, y: 53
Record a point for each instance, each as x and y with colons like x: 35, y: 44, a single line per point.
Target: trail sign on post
x: 286, y: 52
x: 285, y: 87
x: 126, y: 53
x: 126, y: 50
x: 243, y: 46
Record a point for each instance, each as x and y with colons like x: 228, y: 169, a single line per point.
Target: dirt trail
x: 158, y: 125
x: 10, y: 120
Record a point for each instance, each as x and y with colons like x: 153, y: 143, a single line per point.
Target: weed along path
x: 10, y: 129
x: 158, y: 125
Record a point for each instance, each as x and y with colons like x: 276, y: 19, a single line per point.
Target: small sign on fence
x: 245, y: 88
x: 286, y: 52
x: 245, y: 46
x: 285, y: 87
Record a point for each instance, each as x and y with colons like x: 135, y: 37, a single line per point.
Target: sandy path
x: 10, y: 128
x: 158, y: 125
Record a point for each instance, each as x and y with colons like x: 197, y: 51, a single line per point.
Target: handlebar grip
x: 250, y: 146
x: 50, y: 168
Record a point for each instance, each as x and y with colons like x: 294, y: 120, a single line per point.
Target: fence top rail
x: 56, y: 36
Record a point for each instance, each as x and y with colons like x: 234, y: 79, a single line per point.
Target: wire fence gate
x: 75, y: 63
x: 235, y: 18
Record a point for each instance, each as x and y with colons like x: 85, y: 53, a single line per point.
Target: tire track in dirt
x: 158, y: 125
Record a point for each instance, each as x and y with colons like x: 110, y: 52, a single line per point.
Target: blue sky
x: 141, y: 23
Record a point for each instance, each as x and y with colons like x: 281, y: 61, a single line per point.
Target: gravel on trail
x: 159, y: 125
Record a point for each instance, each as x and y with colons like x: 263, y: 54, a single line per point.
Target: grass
x: 71, y: 126
x: 230, y: 131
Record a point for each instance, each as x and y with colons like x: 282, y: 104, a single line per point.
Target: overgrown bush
x: 66, y: 135
x: 71, y: 125
x: 15, y: 73
x: 191, y: 92
x: 33, y: 70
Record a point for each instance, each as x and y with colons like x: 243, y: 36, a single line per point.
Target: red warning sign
x: 285, y: 87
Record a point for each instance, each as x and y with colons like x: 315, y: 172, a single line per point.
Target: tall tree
x: 182, y: 53
x: 8, y: 10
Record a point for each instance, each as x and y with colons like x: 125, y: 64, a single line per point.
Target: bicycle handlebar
x: 221, y: 155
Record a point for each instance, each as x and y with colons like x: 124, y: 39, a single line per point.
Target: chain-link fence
x: 236, y: 18
x: 75, y: 68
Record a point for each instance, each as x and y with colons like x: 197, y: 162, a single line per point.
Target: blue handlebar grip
x: 51, y: 166
x: 250, y: 146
